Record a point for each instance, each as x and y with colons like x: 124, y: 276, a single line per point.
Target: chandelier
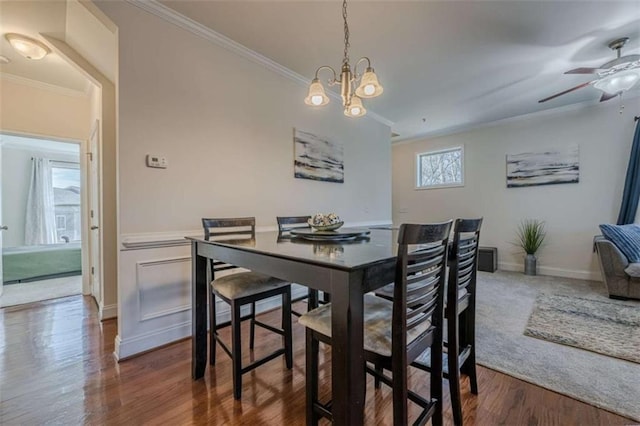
x: 352, y: 101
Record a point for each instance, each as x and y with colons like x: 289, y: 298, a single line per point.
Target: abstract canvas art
x: 317, y: 158
x: 544, y: 168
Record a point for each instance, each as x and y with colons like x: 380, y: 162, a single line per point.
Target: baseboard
x: 106, y: 312
x: 127, y: 348
x: 553, y: 272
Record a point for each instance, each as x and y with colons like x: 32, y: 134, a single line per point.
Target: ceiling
x: 445, y: 65
x: 68, y: 20
x: 31, y: 19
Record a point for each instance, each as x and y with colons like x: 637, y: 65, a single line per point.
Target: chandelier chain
x: 345, y: 59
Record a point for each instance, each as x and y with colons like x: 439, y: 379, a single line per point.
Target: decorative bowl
x: 331, y: 227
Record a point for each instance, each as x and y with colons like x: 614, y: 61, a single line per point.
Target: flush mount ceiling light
x: 27, y: 47
x: 369, y: 86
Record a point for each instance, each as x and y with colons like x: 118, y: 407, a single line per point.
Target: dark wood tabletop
x: 345, y: 269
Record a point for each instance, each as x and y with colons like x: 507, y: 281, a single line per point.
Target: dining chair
x: 285, y: 225
x: 396, y: 331
x: 240, y: 289
x: 460, y: 313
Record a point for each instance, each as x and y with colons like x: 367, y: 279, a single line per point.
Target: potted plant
x: 531, y: 234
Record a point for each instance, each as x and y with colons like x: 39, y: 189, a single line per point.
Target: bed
x: 32, y: 263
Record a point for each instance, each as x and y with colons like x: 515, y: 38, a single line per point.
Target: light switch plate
x: 157, y: 161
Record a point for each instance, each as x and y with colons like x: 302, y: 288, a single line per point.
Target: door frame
x: 84, y: 200
x: 88, y: 157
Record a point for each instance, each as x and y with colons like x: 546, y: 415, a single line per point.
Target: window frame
x: 417, y: 177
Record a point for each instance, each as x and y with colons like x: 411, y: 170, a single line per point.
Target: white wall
x: 225, y: 125
x: 16, y: 177
x: 572, y: 211
x: 33, y: 110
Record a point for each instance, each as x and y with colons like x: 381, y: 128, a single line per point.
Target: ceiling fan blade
x: 584, y: 71
x: 580, y: 86
x: 606, y: 96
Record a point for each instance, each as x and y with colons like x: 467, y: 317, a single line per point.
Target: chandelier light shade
x: 355, y: 108
x: 316, y: 96
x: 369, y: 86
x: 367, y: 83
x: 27, y: 47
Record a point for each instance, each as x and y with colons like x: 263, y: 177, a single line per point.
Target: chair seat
x: 243, y: 284
x: 378, y: 313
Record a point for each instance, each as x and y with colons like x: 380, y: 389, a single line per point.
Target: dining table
x: 345, y: 268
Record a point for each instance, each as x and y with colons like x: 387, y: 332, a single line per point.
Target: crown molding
x: 36, y: 84
x: 173, y: 17
x: 516, y: 118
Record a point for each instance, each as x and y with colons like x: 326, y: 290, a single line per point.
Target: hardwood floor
x: 57, y: 367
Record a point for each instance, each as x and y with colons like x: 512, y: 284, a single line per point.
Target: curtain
x: 40, y: 219
x: 631, y: 192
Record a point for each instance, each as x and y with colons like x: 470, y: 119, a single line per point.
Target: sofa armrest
x: 612, y: 261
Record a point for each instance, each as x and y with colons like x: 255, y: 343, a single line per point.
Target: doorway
x: 43, y: 196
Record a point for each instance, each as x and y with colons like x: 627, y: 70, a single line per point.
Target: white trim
x: 22, y: 134
x: 107, y: 311
x: 173, y: 17
x: 45, y: 86
x: 177, y: 238
x: 514, y: 119
x: 146, y: 341
x: 554, y: 272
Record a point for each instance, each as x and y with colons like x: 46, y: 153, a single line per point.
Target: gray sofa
x: 621, y: 277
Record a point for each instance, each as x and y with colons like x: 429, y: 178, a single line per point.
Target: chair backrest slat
x: 418, y: 294
x: 415, y: 299
x: 463, y: 262
x: 287, y: 223
x: 229, y: 228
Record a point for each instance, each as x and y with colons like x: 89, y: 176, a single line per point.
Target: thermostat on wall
x: 157, y: 161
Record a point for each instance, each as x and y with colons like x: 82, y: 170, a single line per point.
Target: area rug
x: 608, y: 328
x: 505, y: 301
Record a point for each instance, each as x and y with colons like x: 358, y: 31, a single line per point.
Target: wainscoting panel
x: 154, y: 287
x: 163, y: 287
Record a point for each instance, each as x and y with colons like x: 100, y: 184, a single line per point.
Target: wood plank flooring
x: 57, y: 367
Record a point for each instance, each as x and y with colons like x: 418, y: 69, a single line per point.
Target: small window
x: 440, y: 169
x: 61, y: 222
x: 66, y: 200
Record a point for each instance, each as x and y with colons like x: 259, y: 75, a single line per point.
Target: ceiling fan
x: 614, y: 77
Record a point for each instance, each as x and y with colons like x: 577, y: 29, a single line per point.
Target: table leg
x: 198, y: 312
x: 347, y: 354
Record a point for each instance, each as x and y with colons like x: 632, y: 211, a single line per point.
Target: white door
x: 94, y: 214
